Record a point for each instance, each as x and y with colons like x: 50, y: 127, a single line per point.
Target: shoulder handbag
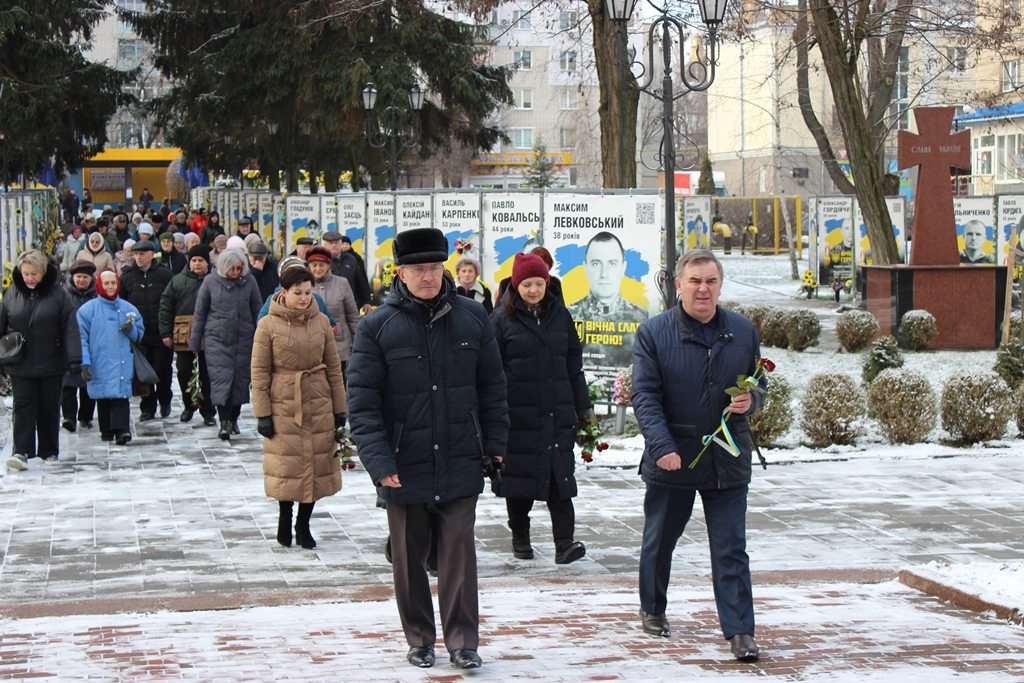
x: 181, y: 332
x: 144, y: 372
x: 12, y: 344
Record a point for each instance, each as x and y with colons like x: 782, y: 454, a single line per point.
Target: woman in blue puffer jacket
x: 107, y: 325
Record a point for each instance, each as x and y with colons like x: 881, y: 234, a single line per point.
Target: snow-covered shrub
x: 904, y: 404
x: 773, y: 328
x: 831, y: 408
x: 976, y: 406
x: 884, y: 353
x: 1010, y: 362
x: 734, y: 306
x: 855, y: 329
x: 802, y: 329
x: 1019, y: 413
x: 917, y: 330
x: 754, y: 313
x: 1015, y: 324
x: 776, y: 414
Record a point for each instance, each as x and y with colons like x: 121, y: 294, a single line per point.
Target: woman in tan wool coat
x: 298, y: 397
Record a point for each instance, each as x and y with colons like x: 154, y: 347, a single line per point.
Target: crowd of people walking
x: 441, y: 386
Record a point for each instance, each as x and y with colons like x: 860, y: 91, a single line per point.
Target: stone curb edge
x: 918, y: 580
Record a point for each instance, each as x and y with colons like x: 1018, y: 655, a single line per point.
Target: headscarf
x: 99, y: 285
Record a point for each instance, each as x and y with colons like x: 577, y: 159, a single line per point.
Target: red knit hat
x: 529, y: 265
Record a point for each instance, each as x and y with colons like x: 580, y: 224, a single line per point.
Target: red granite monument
x: 967, y: 301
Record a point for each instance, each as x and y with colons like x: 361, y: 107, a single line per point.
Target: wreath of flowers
x: 463, y: 246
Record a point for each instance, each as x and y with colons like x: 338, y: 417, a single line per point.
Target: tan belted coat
x: 296, y: 380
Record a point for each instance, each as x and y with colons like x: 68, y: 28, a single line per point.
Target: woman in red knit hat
x: 543, y: 362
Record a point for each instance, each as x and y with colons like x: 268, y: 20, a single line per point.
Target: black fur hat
x: 420, y: 245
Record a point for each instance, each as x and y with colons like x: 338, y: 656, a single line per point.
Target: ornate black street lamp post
x: 396, y: 131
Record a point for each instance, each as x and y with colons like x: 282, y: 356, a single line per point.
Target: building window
x: 567, y: 98
x: 522, y: 138
x: 523, y: 59
x: 568, y: 20
x: 984, y: 150
x: 957, y: 57
x: 132, y: 5
x: 1008, y: 153
x: 572, y: 176
x: 899, y: 108
x: 521, y: 19
x: 1011, y: 75
x: 567, y: 61
x: 524, y: 99
x: 130, y: 52
x: 567, y: 138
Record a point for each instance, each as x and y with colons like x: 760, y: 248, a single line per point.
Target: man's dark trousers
x: 456, y: 572
x: 162, y: 360
x: 666, y: 512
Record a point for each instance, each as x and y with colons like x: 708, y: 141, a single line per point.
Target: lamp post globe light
x: 695, y: 77
x: 396, y: 129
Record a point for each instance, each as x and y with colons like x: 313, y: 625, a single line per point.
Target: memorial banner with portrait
x: 380, y: 233
x: 835, y: 242
x: 1010, y: 211
x: 251, y: 207
x: 264, y: 221
x: 303, y: 212
x: 352, y: 220
x: 607, y: 251
x: 897, y: 214
x: 457, y: 215
x: 696, y: 223
x: 511, y: 224
x: 975, y: 230
x: 413, y: 211
x: 329, y: 213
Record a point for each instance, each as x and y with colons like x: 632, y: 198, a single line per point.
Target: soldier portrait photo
x: 975, y: 236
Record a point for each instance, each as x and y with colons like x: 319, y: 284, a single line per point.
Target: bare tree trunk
x: 844, y: 80
x: 618, y: 106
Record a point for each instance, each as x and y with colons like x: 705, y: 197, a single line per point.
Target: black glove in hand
x: 127, y: 326
x: 339, y: 420
x: 265, y: 426
x: 86, y: 373
x: 74, y: 369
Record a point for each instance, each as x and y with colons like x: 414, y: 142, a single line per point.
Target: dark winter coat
x: 174, y: 259
x: 225, y: 320
x: 267, y: 279
x: 52, y: 343
x: 209, y: 234
x: 78, y: 297
x: 426, y: 396
x: 346, y: 265
x: 143, y: 289
x: 477, y: 292
x: 679, y: 394
x: 543, y: 363
x: 179, y: 298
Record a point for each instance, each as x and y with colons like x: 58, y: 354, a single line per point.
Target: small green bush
x: 802, y: 329
x: 917, y: 330
x: 975, y: 406
x: 1010, y: 362
x: 1015, y: 317
x: 856, y: 329
x: 773, y: 328
x: 904, y: 404
x: 776, y: 414
x: 734, y: 306
x: 884, y: 353
x: 831, y: 409
x: 755, y: 313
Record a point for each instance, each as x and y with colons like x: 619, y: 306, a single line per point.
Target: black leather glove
x: 74, y: 369
x: 265, y: 426
x: 127, y: 326
x: 339, y: 420
x: 86, y: 373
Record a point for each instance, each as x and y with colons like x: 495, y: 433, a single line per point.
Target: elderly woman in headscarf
x: 227, y: 309
x: 217, y: 247
x: 96, y: 251
x: 123, y: 258
x: 38, y: 307
x: 467, y: 277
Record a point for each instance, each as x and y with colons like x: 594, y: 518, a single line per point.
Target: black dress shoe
x: 655, y: 624
x: 234, y: 427
x: 106, y: 437
x: 69, y: 425
x: 466, y: 659
x: 186, y: 415
x: 209, y: 422
x: 744, y: 648
x: 85, y: 424
x: 570, y: 553
x: 123, y: 438
x: 423, y: 656
x: 146, y: 417
x: 225, y: 430
x: 165, y: 411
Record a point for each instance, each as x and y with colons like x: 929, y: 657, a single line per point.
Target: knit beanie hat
x: 199, y: 250
x: 236, y: 242
x: 529, y: 265
x: 468, y: 261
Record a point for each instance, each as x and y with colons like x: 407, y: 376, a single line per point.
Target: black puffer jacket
x: 143, y: 289
x: 346, y: 265
x: 173, y: 259
x: 426, y: 396
x: 52, y: 343
x: 78, y: 297
x: 679, y: 394
x: 543, y: 363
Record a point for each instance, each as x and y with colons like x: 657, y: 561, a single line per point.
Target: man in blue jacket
x: 426, y: 399
x: 683, y: 362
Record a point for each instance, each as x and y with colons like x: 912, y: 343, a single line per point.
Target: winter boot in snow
x: 569, y: 551
x: 284, y: 524
x: 302, y: 535
x: 521, y: 548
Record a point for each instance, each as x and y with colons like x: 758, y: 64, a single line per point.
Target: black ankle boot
x: 284, y: 524
x: 569, y: 551
x: 302, y: 535
x: 521, y: 548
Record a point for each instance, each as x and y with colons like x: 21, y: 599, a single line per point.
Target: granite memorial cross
x: 935, y: 151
